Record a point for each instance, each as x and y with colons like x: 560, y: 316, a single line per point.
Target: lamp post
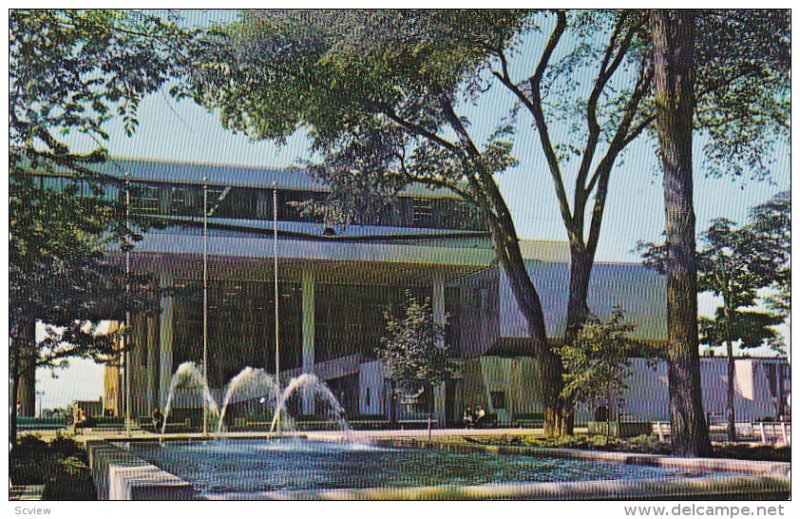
x: 205, y: 300
x: 39, y: 398
x: 275, y: 265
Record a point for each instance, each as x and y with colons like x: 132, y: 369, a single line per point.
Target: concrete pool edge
x: 121, y: 476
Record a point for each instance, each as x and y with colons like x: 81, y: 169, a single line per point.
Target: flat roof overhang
x: 249, y: 258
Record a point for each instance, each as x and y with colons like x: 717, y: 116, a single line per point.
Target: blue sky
x: 634, y: 211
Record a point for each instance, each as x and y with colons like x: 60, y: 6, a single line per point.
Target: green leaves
x: 597, y: 362
x: 413, y: 351
x: 752, y: 328
x: 72, y: 71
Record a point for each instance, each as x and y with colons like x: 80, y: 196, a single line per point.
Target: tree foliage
x: 598, y: 361
x: 414, y: 352
x: 770, y: 225
x: 749, y: 328
x: 70, y: 73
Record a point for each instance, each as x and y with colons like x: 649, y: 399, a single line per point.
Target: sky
x: 182, y: 131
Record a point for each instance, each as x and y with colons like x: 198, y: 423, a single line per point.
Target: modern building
x: 334, y: 285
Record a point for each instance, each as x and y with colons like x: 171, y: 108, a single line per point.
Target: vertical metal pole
x: 127, y: 311
x: 205, y: 300
x: 275, y: 258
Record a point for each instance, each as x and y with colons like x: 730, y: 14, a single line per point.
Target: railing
x: 763, y: 432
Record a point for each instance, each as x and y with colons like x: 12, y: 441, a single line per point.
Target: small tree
x: 597, y: 362
x: 732, y: 266
x: 414, y: 351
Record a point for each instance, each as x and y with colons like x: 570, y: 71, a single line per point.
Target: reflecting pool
x: 289, y: 464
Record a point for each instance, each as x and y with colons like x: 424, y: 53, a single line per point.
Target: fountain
x: 251, y: 383
x: 318, y: 388
x: 254, y: 383
x: 188, y: 375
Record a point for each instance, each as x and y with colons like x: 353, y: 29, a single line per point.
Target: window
x: 498, y: 399
x: 144, y: 197
x: 264, y: 205
x: 178, y: 202
x: 422, y: 211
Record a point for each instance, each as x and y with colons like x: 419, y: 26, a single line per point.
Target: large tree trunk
x: 581, y: 263
x: 549, y: 366
x: 577, y: 308
x: 26, y: 398
x: 673, y: 41
x: 12, y: 434
x: 22, y: 362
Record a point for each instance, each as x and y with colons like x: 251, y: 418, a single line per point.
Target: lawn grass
x: 61, y: 465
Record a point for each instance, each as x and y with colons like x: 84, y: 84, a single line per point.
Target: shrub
x: 60, y: 466
x: 70, y: 481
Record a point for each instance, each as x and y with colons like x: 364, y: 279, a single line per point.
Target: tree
x: 598, y: 361
x: 379, y: 91
x: 730, y: 267
x: 673, y: 55
x: 748, y: 76
x: 71, y: 72
x: 414, y: 351
x: 388, y: 109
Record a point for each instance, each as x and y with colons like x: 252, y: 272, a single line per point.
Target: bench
x: 26, y: 423
x: 779, y: 432
x: 370, y: 424
x: 415, y: 423
x: 528, y: 421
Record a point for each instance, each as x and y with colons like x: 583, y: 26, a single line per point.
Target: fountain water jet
x: 253, y: 382
x: 318, y: 388
x: 189, y: 375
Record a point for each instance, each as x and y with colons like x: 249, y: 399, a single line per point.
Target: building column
x: 308, y: 335
x: 152, y: 363
x: 437, y: 304
x: 165, y: 338
x: 112, y: 377
x: 138, y: 358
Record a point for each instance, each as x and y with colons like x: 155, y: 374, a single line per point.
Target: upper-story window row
x: 256, y: 204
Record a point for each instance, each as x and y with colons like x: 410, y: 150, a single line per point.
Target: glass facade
x: 241, y: 328
x: 174, y: 199
x: 349, y: 320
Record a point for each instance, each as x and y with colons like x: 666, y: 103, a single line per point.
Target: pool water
x: 249, y: 466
